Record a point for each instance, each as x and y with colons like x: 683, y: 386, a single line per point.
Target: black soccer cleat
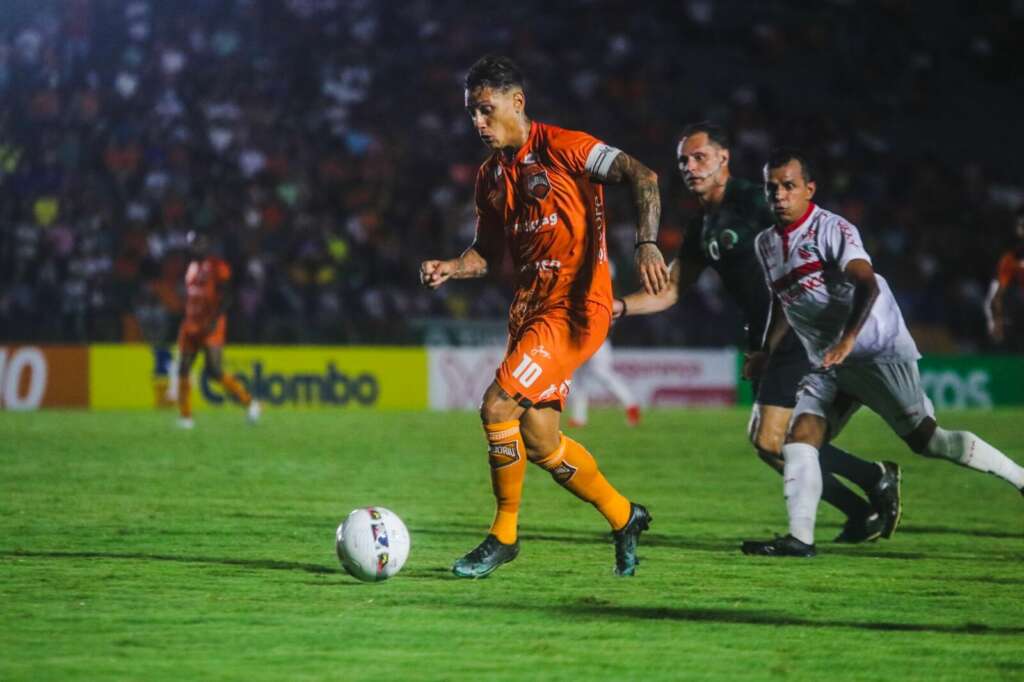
x: 886, y: 499
x: 485, y: 558
x: 627, y: 537
x: 781, y: 546
x: 856, y: 531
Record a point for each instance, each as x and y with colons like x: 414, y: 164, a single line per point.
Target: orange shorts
x: 541, y: 357
x: 193, y: 337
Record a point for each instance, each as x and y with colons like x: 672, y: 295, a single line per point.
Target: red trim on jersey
x: 798, y: 222
x: 797, y: 274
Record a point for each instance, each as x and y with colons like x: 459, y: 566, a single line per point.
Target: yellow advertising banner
x: 305, y: 377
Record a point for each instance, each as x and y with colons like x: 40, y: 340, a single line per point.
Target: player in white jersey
x: 595, y: 372
x: 826, y: 290
x: 598, y: 371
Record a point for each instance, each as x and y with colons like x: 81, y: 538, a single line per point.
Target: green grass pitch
x: 130, y: 550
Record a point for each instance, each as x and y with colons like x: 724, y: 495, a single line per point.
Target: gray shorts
x: 892, y: 390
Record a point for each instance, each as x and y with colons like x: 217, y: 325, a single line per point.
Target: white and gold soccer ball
x: 372, y: 544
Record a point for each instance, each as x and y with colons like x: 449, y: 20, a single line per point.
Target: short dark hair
x: 780, y: 156
x: 494, y: 71
x: 716, y: 133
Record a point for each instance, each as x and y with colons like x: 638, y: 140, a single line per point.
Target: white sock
x: 802, y: 486
x: 963, y: 447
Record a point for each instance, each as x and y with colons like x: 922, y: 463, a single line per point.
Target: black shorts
x: 778, y: 383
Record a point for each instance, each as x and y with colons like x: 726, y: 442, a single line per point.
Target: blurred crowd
x: 324, y: 145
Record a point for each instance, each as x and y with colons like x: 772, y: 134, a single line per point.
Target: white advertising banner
x: 657, y: 377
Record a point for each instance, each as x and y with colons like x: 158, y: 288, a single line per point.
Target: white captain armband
x: 599, y: 162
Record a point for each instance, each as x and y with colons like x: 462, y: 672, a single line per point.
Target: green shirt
x: 723, y: 238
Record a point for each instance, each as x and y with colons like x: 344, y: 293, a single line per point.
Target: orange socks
x: 185, y: 397
x: 576, y: 470
x: 506, y: 453
x: 236, y: 389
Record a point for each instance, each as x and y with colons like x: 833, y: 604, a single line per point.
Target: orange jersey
x: 203, y: 281
x: 1010, y: 271
x: 545, y: 207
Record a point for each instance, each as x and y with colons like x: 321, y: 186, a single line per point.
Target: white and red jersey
x: 804, y: 264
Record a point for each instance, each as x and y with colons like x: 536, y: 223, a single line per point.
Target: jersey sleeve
x: 841, y: 243
x: 489, y: 239
x: 1006, y: 269
x: 582, y: 154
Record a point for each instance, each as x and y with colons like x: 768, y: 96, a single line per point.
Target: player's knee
x: 807, y: 428
x: 768, y: 441
x: 491, y: 413
x: 495, y: 409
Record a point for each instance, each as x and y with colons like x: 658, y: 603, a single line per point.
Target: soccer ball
x: 372, y: 544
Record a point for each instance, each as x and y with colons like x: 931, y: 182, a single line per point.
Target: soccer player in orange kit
x: 540, y: 195
x: 1005, y: 304
x: 205, y: 328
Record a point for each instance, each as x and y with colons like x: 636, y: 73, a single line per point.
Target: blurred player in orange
x: 1005, y: 309
x: 205, y: 328
x: 539, y: 194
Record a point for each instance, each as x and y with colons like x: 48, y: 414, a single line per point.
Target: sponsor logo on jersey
x: 728, y: 239
x: 531, y: 226
x: 546, y: 265
x: 808, y: 251
x: 541, y: 351
x: 562, y: 390
x: 803, y: 278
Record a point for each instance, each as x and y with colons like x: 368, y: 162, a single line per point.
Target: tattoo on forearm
x: 644, y: 183
x: 469, y: 265
x: 648, y: 206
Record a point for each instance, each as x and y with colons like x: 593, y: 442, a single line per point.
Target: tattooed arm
x: 644, y: 183
x: 434, y: 273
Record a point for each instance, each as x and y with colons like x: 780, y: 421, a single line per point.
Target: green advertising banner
x: 955, y: 381
x: 960, y: 381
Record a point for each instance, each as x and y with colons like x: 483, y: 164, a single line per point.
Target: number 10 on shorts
x: 527, y: 371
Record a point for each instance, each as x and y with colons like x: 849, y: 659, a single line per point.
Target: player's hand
x: 754, y: 364
x: 651, y: 266
x: 434, y: 273
x: 837, y: 353
x: 617, y: 307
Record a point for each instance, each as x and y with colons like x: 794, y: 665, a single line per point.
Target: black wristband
x: 645, y: 241
x: 624, y: 308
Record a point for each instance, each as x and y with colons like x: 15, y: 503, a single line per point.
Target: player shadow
x: 746, y: 617
x: 851, y: 551
x: 185, y: 559
x: 948, y: 530
x: 569, y: 537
